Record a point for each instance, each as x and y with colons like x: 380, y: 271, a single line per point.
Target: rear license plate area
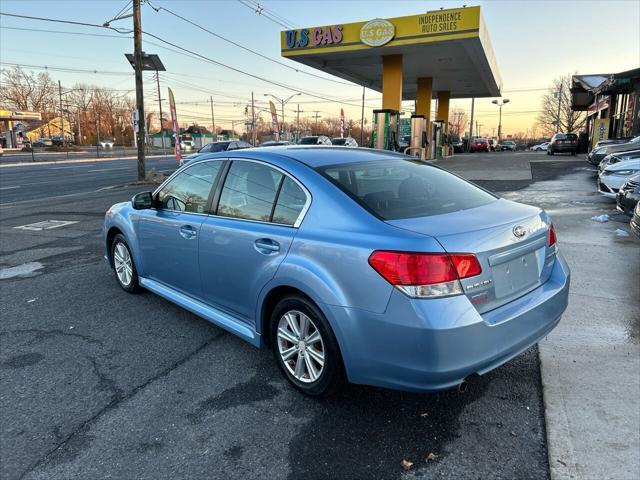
x: 515, y: 275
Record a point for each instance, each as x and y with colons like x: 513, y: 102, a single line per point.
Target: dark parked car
x: 629, y: 194
x: 344, y: 142
x: 563, y: 143
x: 275, y: 143
x: 508, y: 145
x: 596, y: 155
x: 479, y: 144
x: 218, y: 147
x: 315, y: 140
x: 635, y: 221
x: 457, y: 144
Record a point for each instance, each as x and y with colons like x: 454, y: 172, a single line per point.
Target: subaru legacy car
x: 351, y: 264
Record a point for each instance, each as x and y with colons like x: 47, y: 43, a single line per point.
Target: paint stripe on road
x: 73, y: 166
x: 109, y: 169
x: 10, y: 188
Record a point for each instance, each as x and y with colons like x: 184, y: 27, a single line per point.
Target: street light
x: 282, y: 102
x: 500, y: 102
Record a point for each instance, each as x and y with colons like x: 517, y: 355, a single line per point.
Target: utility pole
x: 473, y: 104
x: 362, y: 120
x: 137, y: 51
x: 316, y: 115
x: 283, y: 127
x: 253, y: 120
x: 61, y: 112
x: 160, y: 108
x: 559, y: 103
x: 213, y: 121
x: 298, y: 112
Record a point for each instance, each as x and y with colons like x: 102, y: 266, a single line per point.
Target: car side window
x: 290, y: 203
x: 189, y: 190
x: 249, y: 191
x: 232, y: 146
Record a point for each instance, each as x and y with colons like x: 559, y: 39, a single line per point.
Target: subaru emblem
x: 519, y: 231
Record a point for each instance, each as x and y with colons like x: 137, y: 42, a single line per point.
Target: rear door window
x: 189, y: 190
x: 249, y: 191
x: 396, y: 189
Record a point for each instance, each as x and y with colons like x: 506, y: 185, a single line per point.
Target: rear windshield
x: 308, y: 140
x: 393, y: 189
x: 566, y: 136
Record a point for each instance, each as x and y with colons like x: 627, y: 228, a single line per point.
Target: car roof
x: 311, y: 155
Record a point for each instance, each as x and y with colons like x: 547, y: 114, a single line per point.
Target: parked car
x: 457, y: 144
x: 635, y: 220
x: 542, y: 147
x: 479, y: 144
x: 596, y: 155
x: 405, y: 142
x: 563, y: 143
x: 344, y: 142
x: 493, y: 145
x: 615, y: 176
x: 613, y: 158
x: 315, y: 140
x: 57, y: 141
x: 508, y: 145
x: 214, y: 147
x: 106, y: 143
x: 613, y: 141
x: 350, y: 264
x: 629, y: 195
x: 275, y: 143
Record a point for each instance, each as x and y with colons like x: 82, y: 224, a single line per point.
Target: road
x: 40, y: 181
x: 96, y: 383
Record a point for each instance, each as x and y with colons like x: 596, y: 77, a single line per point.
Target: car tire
x: 123, y: 265
x: 295, y: 361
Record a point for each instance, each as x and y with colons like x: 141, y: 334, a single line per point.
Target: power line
x: 67, y: 32
x: 65, y: 69
x: 260, y: 10
x: 69, y: 22
x: 272, y: 13
x: 247, y: 49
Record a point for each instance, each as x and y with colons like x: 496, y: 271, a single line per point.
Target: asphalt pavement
x: 97, y: 383
x: 58, y: 178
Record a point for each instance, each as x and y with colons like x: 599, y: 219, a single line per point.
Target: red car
x: 479, y: 144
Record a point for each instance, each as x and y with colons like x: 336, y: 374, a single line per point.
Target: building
x: 612, y: 103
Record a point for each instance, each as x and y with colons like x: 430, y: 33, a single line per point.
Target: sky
x: 533, y: 41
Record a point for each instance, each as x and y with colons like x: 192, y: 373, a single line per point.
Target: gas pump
x: 385, y: 129
x: 419, y: 144
x: 438, y: 136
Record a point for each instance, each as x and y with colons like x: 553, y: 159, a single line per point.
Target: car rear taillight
x: 425, y: 275
x: 551, y: 236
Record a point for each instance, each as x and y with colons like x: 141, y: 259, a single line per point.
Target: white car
x: 541, y: 147
x: 615, y: 176
x: 106, y: 143
x: 614, y: 158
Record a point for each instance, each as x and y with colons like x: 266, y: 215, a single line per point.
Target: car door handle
x: 188, y: 232
x: 266, y: 246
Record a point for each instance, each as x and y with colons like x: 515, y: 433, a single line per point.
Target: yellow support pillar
x: 423, y: 97
x: 392, y: 82
x: 443, y: 109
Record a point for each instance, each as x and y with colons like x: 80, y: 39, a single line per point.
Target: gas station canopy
x: 450, y: 46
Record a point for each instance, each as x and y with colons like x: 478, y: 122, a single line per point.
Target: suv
x: 214, y: 147
x: 315, y: 140
x: 456, y: 143
x: 563, y: 143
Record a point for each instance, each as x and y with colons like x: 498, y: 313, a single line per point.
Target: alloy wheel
x: 300, y: 346
x: 122, y: 264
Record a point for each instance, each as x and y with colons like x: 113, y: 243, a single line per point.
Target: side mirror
x: 142, y: 201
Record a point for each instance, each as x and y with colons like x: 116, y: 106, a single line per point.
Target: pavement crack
x: 41, y: 334
x: 116, y: 400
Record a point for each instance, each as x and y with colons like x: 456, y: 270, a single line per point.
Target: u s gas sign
x: 378, y: 32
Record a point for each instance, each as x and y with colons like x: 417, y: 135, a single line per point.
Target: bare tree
x: 458, y: 122
x: 556, y: 101
x: 27, y: 91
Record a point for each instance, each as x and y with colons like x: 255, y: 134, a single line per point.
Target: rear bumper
x: 430, y: 345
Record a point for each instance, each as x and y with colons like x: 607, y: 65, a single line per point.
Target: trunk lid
x: 511, y: 265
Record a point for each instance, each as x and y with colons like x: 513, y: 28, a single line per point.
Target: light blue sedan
x: 350, y: 264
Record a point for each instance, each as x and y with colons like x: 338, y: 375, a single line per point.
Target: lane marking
x: 73, y: 166
x: 108, y: 169
x: 9, y: 188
